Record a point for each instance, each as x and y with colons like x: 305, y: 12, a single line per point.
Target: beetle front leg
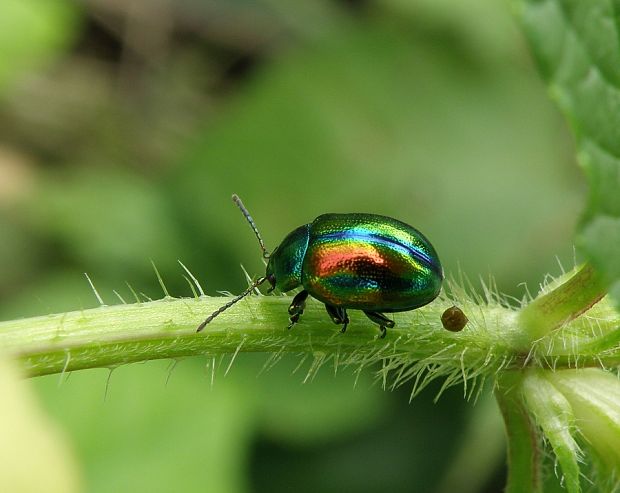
x: 338, y: 315
x: 381, y: 320
x: 296, y: 309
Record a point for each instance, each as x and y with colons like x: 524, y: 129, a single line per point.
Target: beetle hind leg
x: 296, y: 308
x: 381, y: 320
x: 338, y: 315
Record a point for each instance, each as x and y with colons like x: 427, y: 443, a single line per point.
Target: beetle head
x: 270, y: 274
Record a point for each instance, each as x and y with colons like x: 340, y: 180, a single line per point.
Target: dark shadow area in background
x: 400, y: 455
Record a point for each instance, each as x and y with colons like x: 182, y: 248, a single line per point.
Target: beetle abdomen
x: 370, y: 262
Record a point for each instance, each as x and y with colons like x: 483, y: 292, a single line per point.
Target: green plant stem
x: 524, y: 440
x: 109, y: 336
x: 561, y: 305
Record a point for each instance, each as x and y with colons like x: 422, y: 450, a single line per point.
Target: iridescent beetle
x: 359, y: 261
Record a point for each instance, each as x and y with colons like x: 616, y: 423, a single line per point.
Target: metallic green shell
x: 369, y: 262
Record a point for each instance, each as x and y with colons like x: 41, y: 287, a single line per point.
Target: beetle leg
x: 345, y: 319
x: 382, y: 320
x: 296, y: 308
x: 338, y: 315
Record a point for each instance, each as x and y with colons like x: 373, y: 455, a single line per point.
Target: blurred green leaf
x: 600, y: 239
x: 110, y: 219
x: 576, y: 44
x: 137, y: 430
x: 493, y: 38
x: 34, y: 454
x: 18, y: 256
x: 31, y: 32
x: 319, y: 409
x: 481, y: 449
x: 55, y: 291
x: 173, y: 443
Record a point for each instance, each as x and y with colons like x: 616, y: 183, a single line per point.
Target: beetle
x: 358, y: 261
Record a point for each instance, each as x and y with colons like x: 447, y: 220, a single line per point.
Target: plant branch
x: 561, y: 305
x: 524, y: 440
x: 109, y: 336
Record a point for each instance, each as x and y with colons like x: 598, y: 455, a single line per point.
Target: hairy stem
x: 524, y: 440
x: 561, y: 305
x: 109, y: 336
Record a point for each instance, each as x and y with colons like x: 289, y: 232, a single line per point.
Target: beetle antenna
x: 249, y: 219
x: 251, y: 288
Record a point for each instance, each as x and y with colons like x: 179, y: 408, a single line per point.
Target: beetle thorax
x: 285, y: 261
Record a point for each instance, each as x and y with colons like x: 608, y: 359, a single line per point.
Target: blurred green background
x: 126, y: 126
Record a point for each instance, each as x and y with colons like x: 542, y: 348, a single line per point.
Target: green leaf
x: 554, y: 415
x: 576, y: 46
x: 594, y: 396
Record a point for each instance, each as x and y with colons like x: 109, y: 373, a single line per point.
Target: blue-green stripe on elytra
x: 374, y: 238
